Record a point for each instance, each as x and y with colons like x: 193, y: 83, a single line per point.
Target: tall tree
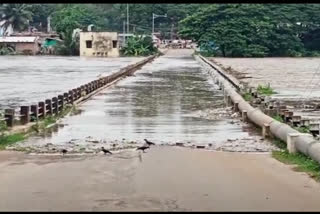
x: 16, y: 15
x: 245, y: 30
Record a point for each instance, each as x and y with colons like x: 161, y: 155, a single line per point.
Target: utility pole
x: 49, y: 24
x: 124, y: 34
x: 171, y: 33
x: 154, y: 16
x: 127, y: 18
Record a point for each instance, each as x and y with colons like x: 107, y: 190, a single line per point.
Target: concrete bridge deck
x: 160, y: 102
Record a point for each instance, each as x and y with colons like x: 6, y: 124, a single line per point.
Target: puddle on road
x: 169, y: 100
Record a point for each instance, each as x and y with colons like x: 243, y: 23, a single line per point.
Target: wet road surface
x: 162, y: 179
x: 29, y: 79
x: 164, y: 102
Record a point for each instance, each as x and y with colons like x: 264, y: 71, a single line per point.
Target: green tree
x: 248, y: 30
x: 16, y: 15
x: 41, y: 12
x: 66, y: 20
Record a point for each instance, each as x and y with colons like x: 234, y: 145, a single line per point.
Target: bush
x: 139, y: 46
x: 265, y: 90
x: 69, y: 46
x: 7, y: 51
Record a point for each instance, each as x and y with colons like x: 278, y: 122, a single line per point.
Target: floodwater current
x: 29, y: 79
x: 161, y: 102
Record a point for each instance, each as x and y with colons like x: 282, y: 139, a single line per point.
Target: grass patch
x: 302, y: 162
x: 280, y: 144
x: 6, y: 140
x: 265, y: 90
x: 247, y: 96
x: 305, y: 129
x: 278, y: 118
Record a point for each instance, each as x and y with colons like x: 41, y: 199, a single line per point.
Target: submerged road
x: 160, y: 102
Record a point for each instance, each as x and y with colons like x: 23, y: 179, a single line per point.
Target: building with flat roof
x: 103, y: 44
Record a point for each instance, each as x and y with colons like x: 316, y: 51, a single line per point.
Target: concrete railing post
x: 35, y: 112
x: 266, y: 131
x: 60, y: 103
x: 25, y: 114
x: 9, y: 117
x: 48, y: 106
x: 71, y: 98
x: 236, y: 106
x: 42, y: 109
x: 66, y: 98
x: 229, y: 100
x: 244, y: 116
x: 292, y: 140
x: 55, y: 109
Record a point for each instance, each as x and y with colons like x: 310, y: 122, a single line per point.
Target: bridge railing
x: 55, y: 106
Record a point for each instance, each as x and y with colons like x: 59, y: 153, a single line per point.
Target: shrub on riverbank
x: 139, y: 46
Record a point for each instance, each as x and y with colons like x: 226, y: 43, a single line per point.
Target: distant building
x: 22, y: 44
x: 103, y: 44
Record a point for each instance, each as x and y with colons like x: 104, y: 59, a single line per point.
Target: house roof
x: 28, y: 39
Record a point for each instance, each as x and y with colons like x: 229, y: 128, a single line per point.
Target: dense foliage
x: 139, y: 46
x: 255, y: 30
x: 231, y: 30
x: 16, y: 15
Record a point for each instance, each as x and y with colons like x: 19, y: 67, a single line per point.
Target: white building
x: 103, y: 44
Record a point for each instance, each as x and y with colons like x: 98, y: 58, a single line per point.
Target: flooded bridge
x: 168, y: 101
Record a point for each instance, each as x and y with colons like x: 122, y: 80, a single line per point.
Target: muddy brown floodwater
x: 169, y: 100
x: 292, y: 78
x: 295, y: 80
x: 29, y: 79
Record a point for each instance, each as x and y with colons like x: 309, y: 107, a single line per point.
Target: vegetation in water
x: 139, y: 46
x: 265, y: 90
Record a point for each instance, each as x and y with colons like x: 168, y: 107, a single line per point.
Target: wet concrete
x: 162, y: 179
x: 29, y: 79
x: 169, y: 100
